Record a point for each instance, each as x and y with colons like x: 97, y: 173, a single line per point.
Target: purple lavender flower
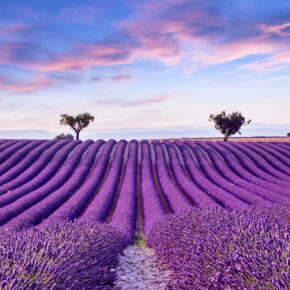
x: 218, y: 249
x: 64, y: 255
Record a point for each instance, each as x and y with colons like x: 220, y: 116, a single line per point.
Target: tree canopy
x: 228, y: 124
x: 78, y: 122
x: 64, y: 136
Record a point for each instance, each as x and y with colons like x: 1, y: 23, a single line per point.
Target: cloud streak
x: 126, y: 103
x: 281, y: 30
x: 275, y: 62
x: 120, y: 78
x: 15, y: 87
x: 271, y: 79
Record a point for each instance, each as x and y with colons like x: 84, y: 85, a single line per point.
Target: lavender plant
x: 283, y: 171
x: 264, y: 161
x: 65, y: 255
x: 20, y: 205
x: 48, y: 205
x: 242, y: 169
x: 124, y: 216
x: 16, y: 158
x: 199, y: 197
x: 73, y: 207
x: 256, y: 166
x: 153, y: 209
x: 233, y: 177
x: 220, y: 195
x: 10, y: 181
x: 101, y: 204
x: 176, y: 199
x: 212, y: 174
x: 218, y: 249
x: 26, y: 162
x: 274, y: 150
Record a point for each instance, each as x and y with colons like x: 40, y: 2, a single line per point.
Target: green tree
x: 64, y: 136
x: 288, y: 134
x: 78, y: 122
x: 228, y: 124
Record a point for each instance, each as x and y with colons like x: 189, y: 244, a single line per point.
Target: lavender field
x: 133, y: 186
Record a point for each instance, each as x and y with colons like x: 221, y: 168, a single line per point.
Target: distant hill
x: 26, y: 134
x: 255, y: 129
x: 185, y: 131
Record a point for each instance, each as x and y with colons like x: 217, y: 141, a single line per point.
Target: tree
x: 64, y: 136
x: 77, y: 123
x: 288, y: 134
x: 228, y: 124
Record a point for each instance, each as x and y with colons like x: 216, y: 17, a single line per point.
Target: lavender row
x: 176, y: 199
x: 280, y: 153
x: 100, y: 206
x: 153, y: 210
x: 285, y: 146
x: 267, y: 171
x: 10, y: 147
x: 40, y: 179
x: 45, y: 207
x: 32, y: 171
x: 283, y: 171
x: 252, y: 168
x: 233, y: 177
x: 26, y: 162
x: 198, y: 197
x: 240, y: 167
x: 15, y: 158
x: 4, y: 142
x: 221, y: 196
x: 73, y: 207
x: 10, y: 211
x: 125, y: 213
x: 212, y: 174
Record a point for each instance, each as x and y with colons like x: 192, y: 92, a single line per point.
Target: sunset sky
x: 143, y: 64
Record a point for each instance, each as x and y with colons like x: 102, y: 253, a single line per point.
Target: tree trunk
x: 226, y: 137
x: 77, y: 135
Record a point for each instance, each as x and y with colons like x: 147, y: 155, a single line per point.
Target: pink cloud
x: 275, y: 62
x: 151, y: 100
x: 123, y: 103
x: 27, y: 86
x: 280, y: 30
x: 271, y: 79
x: 184, y: 33
x: 15, y: 29
x: 89, y: 55
x: 23, y: 53
x: 121, y: 78
x: 193, y: 36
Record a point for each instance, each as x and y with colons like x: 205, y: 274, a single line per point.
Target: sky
x: 143, y: 64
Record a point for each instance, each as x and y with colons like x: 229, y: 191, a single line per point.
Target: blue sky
x: 143, y: 64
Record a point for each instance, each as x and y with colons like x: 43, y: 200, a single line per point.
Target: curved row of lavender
x: 48, y: 181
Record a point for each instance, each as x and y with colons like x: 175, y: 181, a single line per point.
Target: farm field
x: 132, y: 186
